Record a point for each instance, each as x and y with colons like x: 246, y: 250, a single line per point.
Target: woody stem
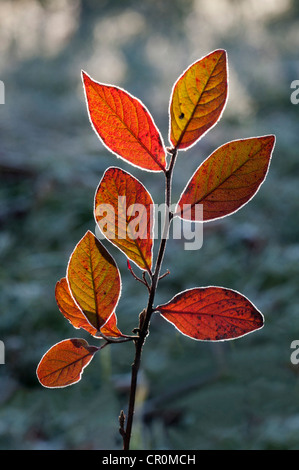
x: 146, y: 315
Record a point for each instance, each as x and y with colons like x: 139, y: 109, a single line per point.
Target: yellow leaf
x: 198, y: 99
x: 94, y: 280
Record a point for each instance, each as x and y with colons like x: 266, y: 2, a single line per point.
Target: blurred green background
x: 242, y: 394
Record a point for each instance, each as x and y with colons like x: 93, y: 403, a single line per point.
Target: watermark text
x: 2, y: 352
x: 295, y: 94
x: 136, y: 221
x: 2, y: 92
x: 295, y: 354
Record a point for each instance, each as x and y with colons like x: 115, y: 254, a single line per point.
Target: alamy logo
x: 295, y: 94
x: 295, y: 354
x: 2, y: 353
x: 138, y: 221
x: 2, y: 93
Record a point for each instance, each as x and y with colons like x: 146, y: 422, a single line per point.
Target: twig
x: 143, y: 281
x: 119, y: 339
x: 164, y: 275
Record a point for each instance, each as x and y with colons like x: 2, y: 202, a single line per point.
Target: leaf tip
x: 221, y: 51
x: 84, y: 75
x: 271, y: 139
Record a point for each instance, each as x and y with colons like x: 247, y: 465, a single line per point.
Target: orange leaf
x: 198, y: 99
x: 70, y: 309
x: 76, y: 317
x: 227, y: 179
x: 63, y: 364
x: 118, y: 198
x: 94, y: 280
x: 212, y: 314
x: 110, y: 328
x: 124, y: 125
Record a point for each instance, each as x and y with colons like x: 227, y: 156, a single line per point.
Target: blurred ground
x: 238, y: 395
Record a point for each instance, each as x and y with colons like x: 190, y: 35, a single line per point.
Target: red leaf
x: 110, y: 328
x: 212, y: 314
x: 64, y: 363
x: 119, y: 197
x: 227, y: 179
x: 124, y: 125
x: 198, y: 99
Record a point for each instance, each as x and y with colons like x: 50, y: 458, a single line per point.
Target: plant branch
x: 143, y: 280
x: 119, y: 339
x: 145, y: 316
x: 164, y: 275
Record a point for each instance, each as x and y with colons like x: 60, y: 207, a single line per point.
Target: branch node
x: 164, y: 275
x: 121, y: 420
x: 145, y: 281
x: 171, y: 150
x: 136, y: 331
x: 142, y: 316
